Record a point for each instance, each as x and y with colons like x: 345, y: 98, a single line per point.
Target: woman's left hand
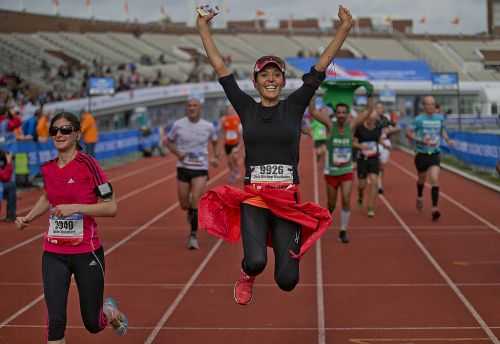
x: 345, y: 17
x: 63, y: 210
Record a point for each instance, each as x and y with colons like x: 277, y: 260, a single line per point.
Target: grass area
x: 484, y: 175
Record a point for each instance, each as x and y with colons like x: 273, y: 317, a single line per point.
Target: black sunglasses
x: 65, y: 130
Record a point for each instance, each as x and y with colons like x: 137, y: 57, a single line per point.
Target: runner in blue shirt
x: 426, y: 131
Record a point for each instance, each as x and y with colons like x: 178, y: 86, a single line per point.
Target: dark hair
x: 72, y: 119
x: 343, y: 105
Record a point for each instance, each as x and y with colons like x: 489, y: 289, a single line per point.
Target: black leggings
x: 256, y: 225
x: 88, y: 269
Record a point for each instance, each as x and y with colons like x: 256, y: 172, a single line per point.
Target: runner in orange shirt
x: 230, y: 130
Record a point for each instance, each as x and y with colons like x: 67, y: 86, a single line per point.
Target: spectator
x: 42, y: 127
x: 89, y: 133
x: 30, y: 124
x: 8, y: 185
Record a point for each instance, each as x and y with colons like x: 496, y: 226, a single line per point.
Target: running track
x: 403, y: 278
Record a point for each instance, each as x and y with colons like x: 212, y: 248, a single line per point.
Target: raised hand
x: 345, y: 17
x: 205, y: 14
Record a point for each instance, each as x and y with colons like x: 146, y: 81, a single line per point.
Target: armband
x: 104, y: 190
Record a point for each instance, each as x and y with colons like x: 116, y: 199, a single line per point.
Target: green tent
x: 342, y: 91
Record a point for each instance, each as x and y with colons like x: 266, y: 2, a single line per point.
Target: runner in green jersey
x: 338, y: 161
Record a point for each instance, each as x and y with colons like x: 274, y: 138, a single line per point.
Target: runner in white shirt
x: 188, y: 139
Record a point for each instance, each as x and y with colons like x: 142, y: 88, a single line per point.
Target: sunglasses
x: 65, y: 130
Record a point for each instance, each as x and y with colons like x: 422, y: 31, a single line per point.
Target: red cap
x: 262, y: 62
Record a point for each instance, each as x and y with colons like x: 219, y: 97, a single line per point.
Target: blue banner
x: 110, y: 145
x: 444, y: 80
x: 347, y: 68
x: 101, y: 86
x: 478, y: 149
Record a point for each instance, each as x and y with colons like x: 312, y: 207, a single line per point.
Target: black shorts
x: 185, y: 175
x: 229, y: 148
x: 424, y: 161
x: 319, y: 143
x: 368, y: 166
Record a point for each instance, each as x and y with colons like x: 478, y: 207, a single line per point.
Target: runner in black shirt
x: 271, y: 133
x: 367, y: 138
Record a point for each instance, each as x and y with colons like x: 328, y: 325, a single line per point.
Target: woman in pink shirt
x: 76, y: 191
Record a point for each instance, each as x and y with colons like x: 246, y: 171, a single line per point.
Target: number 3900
x: 68, y: 225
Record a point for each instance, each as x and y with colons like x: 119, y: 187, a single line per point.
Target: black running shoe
x: 436, y: 215
x: 381, y: 191
x: 343, y: 238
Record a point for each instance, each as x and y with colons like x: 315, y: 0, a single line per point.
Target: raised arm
x: 213, y: 53
x: 331, y: 50
x: 363, y: 115
x: 317, y: 115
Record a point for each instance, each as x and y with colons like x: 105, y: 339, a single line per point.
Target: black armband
x: 104, y: 190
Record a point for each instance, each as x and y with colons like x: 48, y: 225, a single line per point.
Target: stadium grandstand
x: 55, y: 55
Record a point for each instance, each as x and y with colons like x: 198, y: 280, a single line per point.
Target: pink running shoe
x: 243, y: 289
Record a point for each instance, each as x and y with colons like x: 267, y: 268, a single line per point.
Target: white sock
x: 344, y: 219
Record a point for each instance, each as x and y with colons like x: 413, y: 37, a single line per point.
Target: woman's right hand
x: 22, y: 222
x: 202, y: 21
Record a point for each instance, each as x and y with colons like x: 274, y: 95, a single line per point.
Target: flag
x: 260, y: 13
x: 163, y: 11
x: 423, y: 20
x: 455, y: 21
x: 88, y: 4
x: 55, y: 3
x: 125, y: 8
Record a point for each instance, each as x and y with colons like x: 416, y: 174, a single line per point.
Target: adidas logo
x: 93, y: 263
x: 71, y: 181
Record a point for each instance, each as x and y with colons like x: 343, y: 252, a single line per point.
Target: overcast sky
x: 439, y: 13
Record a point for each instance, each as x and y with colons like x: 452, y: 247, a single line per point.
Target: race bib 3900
x: 65, y: 230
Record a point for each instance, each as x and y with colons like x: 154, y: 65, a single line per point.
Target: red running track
x: 402, y: 279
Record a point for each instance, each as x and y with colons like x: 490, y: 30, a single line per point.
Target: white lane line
x: 320, y: 296
x: 171, y: 309
x: 451, y: 199
x: 443, y: 274
x: 120, y: 199
x: 339, y: 329
x: 110, y: 250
